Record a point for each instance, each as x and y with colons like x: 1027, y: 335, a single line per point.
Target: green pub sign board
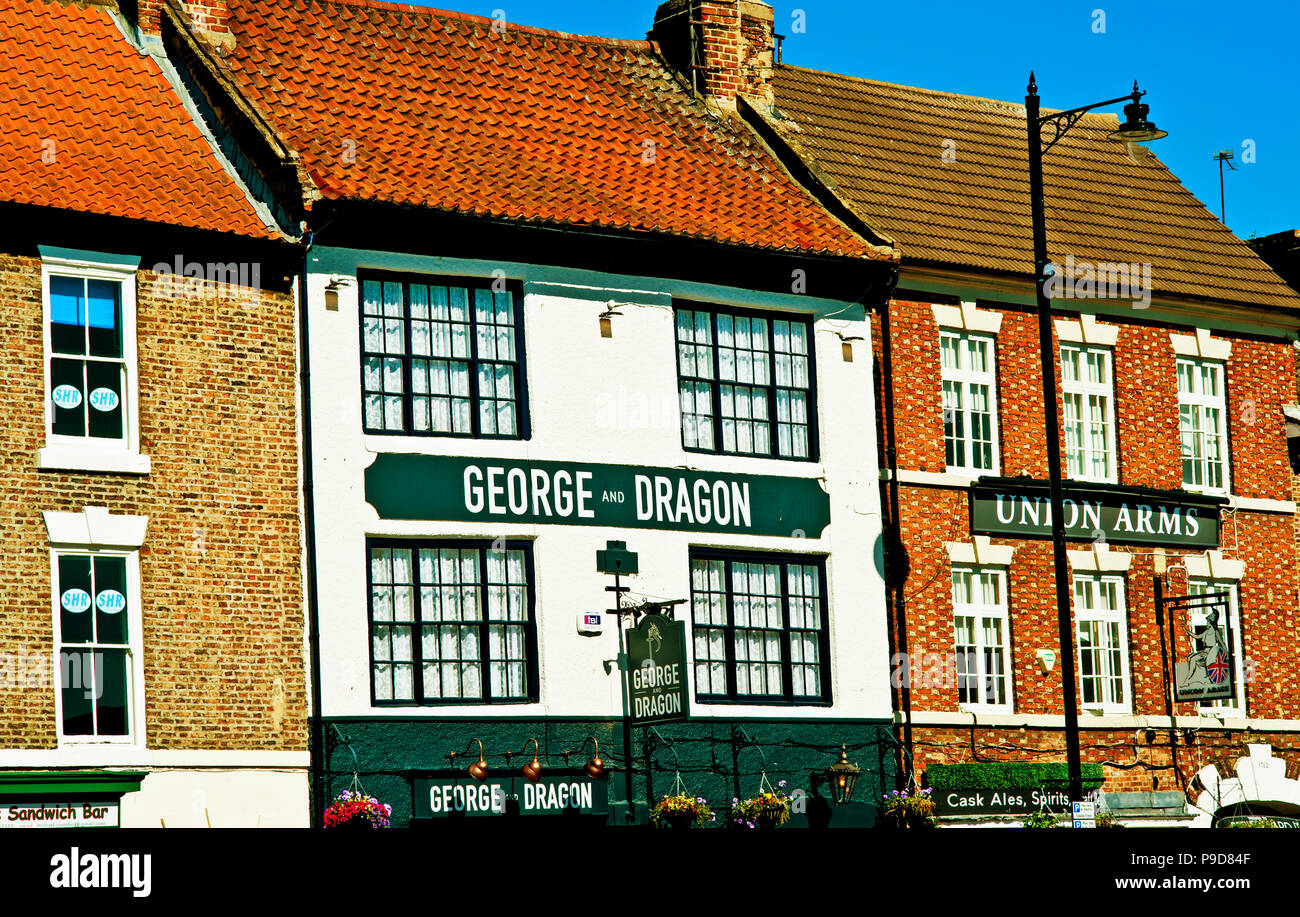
x: 442, y: 797
x: 1023, y: 509
x: 458, y: 489
x: 656, y: 672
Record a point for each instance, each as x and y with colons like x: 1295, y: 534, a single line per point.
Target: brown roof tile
x: 881, y: 145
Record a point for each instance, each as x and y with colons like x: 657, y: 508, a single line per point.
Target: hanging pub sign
x: 656, y: 672
x: 442, y: 797
x: 458, y: 489
x: 1208, y: 672
x: 1022, y: 508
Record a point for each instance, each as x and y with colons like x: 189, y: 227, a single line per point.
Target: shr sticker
x: 66, y: 396
x: 110, y: 601
x: 75, y: 600
x: 103, y: 399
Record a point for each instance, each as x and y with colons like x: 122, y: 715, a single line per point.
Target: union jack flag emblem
x: 1217, y: 671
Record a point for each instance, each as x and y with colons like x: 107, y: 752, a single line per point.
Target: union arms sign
x: 1021, y: 508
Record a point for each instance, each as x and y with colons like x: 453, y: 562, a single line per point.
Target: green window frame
x: 451, y: 622
x: 442, y: 356
x: 746, y: 382
x: 760, y: 625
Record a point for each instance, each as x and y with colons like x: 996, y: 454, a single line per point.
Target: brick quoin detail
x: 220, y: 567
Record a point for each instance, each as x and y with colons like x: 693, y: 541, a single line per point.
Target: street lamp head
x: 1136, y: 128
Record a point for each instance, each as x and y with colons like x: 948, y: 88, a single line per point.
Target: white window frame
x: 1237, y: 707
x: 981, y: 613
x: 135, y: 663
x: 85, y: 453
x: 1086, y: 391
x: 1117, y: 616
x: 96, y: 532
x: 964, y: 378
x: 1201, y: 402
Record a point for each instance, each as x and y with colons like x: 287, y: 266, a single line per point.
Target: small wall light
x: 595, y: 767
x: 532, y: 771
x: 606, y: 325
x: 479, y: 769
x: 846, y: 347
x: 332, y: 291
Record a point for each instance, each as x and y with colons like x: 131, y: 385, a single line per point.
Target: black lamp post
x: 1044, y: 132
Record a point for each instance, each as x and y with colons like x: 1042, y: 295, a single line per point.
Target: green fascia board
x: 130, y: 262
x: 1007, y: 775
x: 69, y: 783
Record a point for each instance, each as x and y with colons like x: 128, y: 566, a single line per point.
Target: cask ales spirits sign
x: 656, y: 672
x: 1021, y: 508
x: 456, y: 489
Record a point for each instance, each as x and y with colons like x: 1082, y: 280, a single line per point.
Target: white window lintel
x: 1213, y: 565
x: 1200, y: 345
x: 96, y: 527
x: 1099, y: 559
x: 967, y: 317
x: 980, y: 552
x: 1086, y: 331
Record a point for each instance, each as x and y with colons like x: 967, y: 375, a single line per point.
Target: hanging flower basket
x: 909, y: 809
x: 769, y: 809
x: 357, y: 812
x: 681, y: 810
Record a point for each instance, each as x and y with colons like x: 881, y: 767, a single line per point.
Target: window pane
x: 75, y: 591
x: 111, y: 605
x: 112, y: 683
x: 104, y: 318
x: 104, y: 382
x: 77, y: 686
x: 68, y: 395
x: 68, y: 315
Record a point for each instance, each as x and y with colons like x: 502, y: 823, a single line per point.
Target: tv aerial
x: 1222, y: 157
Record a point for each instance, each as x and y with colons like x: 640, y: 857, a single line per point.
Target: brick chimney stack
x: 721, y: 47
x: 210, y: 18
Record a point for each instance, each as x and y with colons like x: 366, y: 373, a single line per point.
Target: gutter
x: 895, y: 554
x: 317, y: 723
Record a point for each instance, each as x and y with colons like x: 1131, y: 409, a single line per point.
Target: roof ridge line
x: 940, y: 92
x: 434, y: 12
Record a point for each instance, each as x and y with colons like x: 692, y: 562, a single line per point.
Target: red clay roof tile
x: 89, y: 124
x: 444, y: 112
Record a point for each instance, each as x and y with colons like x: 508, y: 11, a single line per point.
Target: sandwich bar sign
x: 60, y: 814
x: 1021, y: 508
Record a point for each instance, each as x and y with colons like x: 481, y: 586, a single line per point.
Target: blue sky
x: 1217, y: 74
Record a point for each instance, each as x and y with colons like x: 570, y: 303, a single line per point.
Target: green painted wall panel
x: 389, y: 751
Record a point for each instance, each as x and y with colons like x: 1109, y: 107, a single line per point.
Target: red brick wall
x: 1260, y: 379
x: 221, y: 589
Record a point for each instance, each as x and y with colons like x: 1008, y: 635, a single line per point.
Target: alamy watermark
x: 30, y: 670
x: 1099, y: 280
x: 181, y: 279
